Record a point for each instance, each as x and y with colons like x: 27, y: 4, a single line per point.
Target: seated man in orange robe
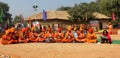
x: 41, y: 37
x: 69, y: 37
x: 81, y: 37
x: 49, y: 37
x: 91, y: 36
x: 9, y: 37
x: 59, y: 35
x: 14, y: 36
x: 33, y: 36
x: 6, y: 39
x: 24, y: 36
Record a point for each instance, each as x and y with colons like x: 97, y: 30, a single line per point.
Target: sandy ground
x: 61, y: 50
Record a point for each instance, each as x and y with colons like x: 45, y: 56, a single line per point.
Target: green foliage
x: 81, y: 12
x: 17, y: 19
x: 6, y: 15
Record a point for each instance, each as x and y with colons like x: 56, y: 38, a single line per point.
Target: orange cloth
x: 90, y: 30
x: 110, y: 28
x: 69, y: 37
x: 91, y: 38
x: 23, y: 30
x: 22, y: 39
x: 48, y: 34
x: 81, y: 37
x: 33, y: 28
x: 41, y: 37
x: 59, y: 36
x: 69, y: 28
x: 7, y: 32
x: 6, y: 40
x: 33, y: 37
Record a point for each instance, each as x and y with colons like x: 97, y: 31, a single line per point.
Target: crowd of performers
x: 26, y: 35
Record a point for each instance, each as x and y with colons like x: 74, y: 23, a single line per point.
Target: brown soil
x: 61, y: 50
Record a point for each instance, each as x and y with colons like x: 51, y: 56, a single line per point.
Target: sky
x: 25, y: 7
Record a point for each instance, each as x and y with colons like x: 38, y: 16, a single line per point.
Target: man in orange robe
x: 81, y: 37
x: 6, y: 39
x: 49, y: 37
x: 14, y: 36
x: 9, y: 37
x: 110, y: 28
x: 59, y: 35
x: 33, y: 36
x: 23, y: 36
x: 41, y: 37
x: 91, y: 36
x: 69, y: 37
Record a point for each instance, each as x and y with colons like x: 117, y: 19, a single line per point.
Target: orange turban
x: 91, y: 30
x: 69, y: 28
x: 44, y: 29
x: 49, y: 29
x: 26, y: 29
x: 12, y: 29
x: 59, y: 29
x: 7, y: 32
x: 75, y: 28
x: 23, y: 30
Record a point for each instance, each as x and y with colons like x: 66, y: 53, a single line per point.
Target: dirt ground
x: 61, y: 50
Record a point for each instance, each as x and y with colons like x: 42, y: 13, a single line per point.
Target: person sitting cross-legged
x: 41, y: 37
x: 49, y: 36
x: 69, y: 36
x: 91, y: 36
x: 59, y: 35
x: 81, y: 37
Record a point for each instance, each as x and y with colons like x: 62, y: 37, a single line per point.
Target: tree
x: 17, y: 19
x: 108, y: 7
x: 6, y: 15
x: 81, y: 12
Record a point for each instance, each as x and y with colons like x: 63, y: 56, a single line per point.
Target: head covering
x: 7, y: 32
x: 26, y: 29
x: 75, y: 28
x: 59, y: 29
x: 12, y: 29
x: 23, y: 30
x: 49, y: 29
x: 69, y: 28
x: 44, y: 29
x: 91, y: 30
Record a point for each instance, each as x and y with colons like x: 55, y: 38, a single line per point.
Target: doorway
x: 101, y: 27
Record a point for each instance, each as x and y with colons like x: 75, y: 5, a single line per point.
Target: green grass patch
x: 113, y: 41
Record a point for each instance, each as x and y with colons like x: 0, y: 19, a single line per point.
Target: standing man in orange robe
x: 69, y: 37
x: 110, y: 28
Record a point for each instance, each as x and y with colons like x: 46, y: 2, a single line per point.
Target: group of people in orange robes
x: 26, y: 35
